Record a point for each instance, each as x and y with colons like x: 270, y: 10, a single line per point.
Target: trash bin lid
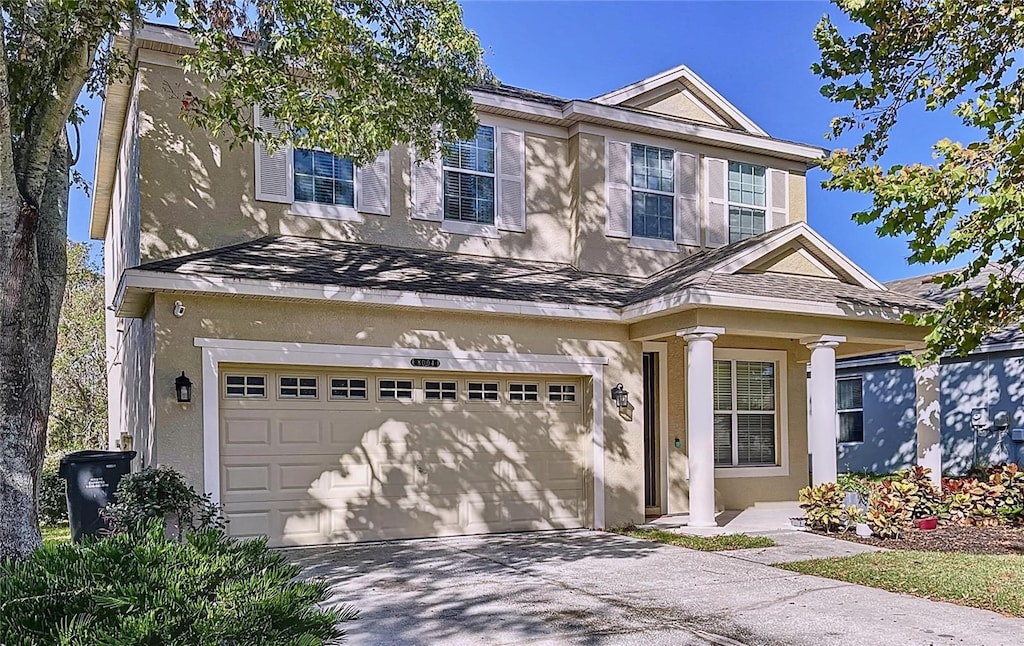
x: 78, y: 457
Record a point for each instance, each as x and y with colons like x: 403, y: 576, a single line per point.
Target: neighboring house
x: 875, y: 398
x: 593, y: 310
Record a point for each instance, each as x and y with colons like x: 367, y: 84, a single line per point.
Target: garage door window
x: 345, y: 388
x: 482, y: 391
x: 563, y: 393
x: 440, y: 390
x: 245, y: 386
x: 392, y: 389
x: 523, y: 392
x: 297, y: 388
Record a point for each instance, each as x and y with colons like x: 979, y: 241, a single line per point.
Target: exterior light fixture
x: 183, y: 388
x: 620, y: 396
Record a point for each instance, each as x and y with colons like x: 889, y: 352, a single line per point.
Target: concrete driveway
x: 583, y: 587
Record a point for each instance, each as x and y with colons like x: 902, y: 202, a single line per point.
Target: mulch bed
x: 972, y: 540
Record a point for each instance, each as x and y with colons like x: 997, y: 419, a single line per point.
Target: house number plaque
x: 425, y: 363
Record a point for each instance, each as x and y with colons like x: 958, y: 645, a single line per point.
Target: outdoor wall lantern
x: 183, y: 388
x: 620, y: 396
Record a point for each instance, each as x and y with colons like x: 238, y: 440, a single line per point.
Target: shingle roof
x: 294, y: 259
x: 514, y: 92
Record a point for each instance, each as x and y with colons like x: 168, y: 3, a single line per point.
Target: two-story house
x: 592, y: 311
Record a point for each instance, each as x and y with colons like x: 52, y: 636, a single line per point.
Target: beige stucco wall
x: 179, y: 428
x: 679, y: 105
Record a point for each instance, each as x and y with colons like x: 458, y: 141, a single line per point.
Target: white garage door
x: 311, y: 456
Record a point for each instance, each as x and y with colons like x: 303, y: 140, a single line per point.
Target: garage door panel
x: 320, y: 471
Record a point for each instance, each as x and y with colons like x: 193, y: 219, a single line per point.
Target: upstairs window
x: 850, y: 406
x: 746, y: 201
x: 652, y: 173
x: 323, y: 178
x: 469, y: 179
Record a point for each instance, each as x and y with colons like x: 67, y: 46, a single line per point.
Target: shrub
x: 160, y: 493
x: 920, y: 495
x: 856, y: 482
x: 889, y: 512
x: 823, y: 506
x: 53, y: 502
x: 205, y: 589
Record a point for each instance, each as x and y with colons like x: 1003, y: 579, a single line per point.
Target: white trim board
x: 218, y: 351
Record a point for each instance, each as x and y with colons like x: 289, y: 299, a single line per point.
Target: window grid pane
x: 652, y: 170
x: 468, y: 198
x: 755, y: 386
x: 562, y: 392
x: 755, y: 438
x: 744, y: 399
x: 746, y: 184
x: 851, y: 426
x: 342, y: 388
x: 523, y: 392
x: 745, y: 223
x: 476, y: 154
x: 440, y: 390
x: 245, y: 386
x: 723, y: 439
x: 482, y: 391
x: 323, y: 178
x: 653, y: 216
x: 394, y: 389
x: 849, y: 393
x: 297, y: 387
x: 723, y: 385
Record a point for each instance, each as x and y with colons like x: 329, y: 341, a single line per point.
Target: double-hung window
x: 747, y: 214
x: 745, y: 394
x: 652, y: 172
x: 324, y: 178
x: 850, y: 407
x: 469, y: 179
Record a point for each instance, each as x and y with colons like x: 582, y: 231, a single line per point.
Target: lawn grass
x: 55, y: 533
x: 703, y: 543
x: 993, y: 582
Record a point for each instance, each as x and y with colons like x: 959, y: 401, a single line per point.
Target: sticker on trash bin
x: 96, y: 483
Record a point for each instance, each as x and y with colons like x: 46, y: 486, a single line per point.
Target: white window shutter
x: 273, y: 171
x: 511, y: 180
x: 687, y: 207
x: 618, y: 193
x: 426, y: 188
x: 717, y: 232
x: 373, y: 186
x: 779, y: 188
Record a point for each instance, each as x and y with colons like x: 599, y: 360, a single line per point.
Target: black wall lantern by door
x: 183, y: 388
x: 620, y: 396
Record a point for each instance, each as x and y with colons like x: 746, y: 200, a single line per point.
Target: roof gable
x: 679, y: 92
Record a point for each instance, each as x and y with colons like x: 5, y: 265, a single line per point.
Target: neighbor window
x: 850, y: 406
x: 440, y: 390
x: 744, y: 394
x: 324, y: 178
x: 482, y: 391
x: 653, y: 192
x: 562, y: 392
x: 523, y: 392
x: 297, y: 387
x: 394, y: 389
x: 746, y: 201
x: 245, y: 386
x: 469, y: 179
x: 346, y: 388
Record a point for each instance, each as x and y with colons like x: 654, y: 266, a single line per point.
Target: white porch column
x: 823, y: 419
x: 700, y: 421
x: 929, y: 409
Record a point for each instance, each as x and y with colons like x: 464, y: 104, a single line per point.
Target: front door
x: 652, y: 452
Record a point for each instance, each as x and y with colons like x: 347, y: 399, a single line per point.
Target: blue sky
x: 756, y: 53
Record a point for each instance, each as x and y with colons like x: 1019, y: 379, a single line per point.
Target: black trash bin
x: 92, y: 480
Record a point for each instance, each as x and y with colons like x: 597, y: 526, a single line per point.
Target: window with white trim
x: 850, y: 407
x: 394, y: 389
x: 745, y: 396
x: 482, y: 391
x: 652, y: 179
x: 440, y: 390
x: 565, y: 393
x: 245, y: 386
x: 343, y: 388
x: 746, y: 201
x: 321, y: 177
x: 297, y: 387
x: 469, y: 179
x: 523, y: 392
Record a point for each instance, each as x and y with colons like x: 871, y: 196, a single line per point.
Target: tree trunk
x: 33, y: 268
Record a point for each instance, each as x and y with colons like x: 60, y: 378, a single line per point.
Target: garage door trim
x: 217, y: 351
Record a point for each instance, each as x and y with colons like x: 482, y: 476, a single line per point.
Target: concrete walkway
x: 583, y: 587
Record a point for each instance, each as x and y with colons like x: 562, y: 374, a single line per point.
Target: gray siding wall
x: 992, y: 380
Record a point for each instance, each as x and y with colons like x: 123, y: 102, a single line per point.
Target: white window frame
x: 729, y: 203
x: 562, y: 393
x: 474, y: 228
x: 441, y: 390
x: 298, y: 387
x: 518, y: 392
x: 840, y: 411
x: 781, y: 467
x: 348, y: 388
x: 245, y: 385
x: 641, y: 242
x: 396, y: 398
x: 325, y: 211
x: 483, y: 391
